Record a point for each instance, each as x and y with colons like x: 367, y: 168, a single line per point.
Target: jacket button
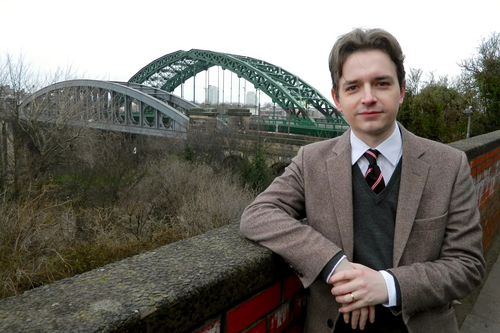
x: 330, y: 323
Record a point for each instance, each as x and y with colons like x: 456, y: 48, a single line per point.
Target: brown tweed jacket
x: 437, y: 243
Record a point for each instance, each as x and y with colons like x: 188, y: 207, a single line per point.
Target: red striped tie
x: 373, y: 175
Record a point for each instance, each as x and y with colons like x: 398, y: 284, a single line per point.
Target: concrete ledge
x: 478, y: 145
x: 167, y: 290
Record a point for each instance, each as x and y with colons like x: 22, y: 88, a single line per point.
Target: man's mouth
x: 369, y: 114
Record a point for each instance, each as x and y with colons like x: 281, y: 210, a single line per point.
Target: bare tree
x: 413, y: 81
x: 37, y: 135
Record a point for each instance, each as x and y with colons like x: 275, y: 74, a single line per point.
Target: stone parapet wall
x: 175, y: 288
x: 218, y: 282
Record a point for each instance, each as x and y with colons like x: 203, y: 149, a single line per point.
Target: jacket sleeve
x: 459, y: 268
x: 273, y: 220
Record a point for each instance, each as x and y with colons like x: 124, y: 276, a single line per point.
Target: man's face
x: 369, y: 95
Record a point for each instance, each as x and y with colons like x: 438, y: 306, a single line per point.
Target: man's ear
x: 402, y: 93
x: 336, y: 101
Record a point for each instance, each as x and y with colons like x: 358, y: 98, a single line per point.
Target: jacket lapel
x: 340, y: 178
x: 413, y: 177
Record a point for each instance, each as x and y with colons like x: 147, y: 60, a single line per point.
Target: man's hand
x: 366, y: 286
x: 359, y: 315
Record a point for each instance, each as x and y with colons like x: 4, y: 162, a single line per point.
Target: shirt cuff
x: 391, y: 289
x: 333, y: 269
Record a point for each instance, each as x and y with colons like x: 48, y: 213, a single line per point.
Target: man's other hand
x: 358, y: 288
x: 359, y: 315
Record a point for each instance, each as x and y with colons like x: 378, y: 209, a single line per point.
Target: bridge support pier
x: 238, y: 119
x: 202, y: 120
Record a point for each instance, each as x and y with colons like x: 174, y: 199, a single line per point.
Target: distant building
x: 213, y: 95
x: 250, y: 98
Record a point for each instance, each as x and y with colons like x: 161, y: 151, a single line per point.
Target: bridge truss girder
x: 111, y: 106
x: 284, y: 88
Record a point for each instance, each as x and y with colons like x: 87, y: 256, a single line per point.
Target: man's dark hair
x: 365, y: 40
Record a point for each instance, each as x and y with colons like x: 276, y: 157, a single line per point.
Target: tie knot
x: 371, y: 155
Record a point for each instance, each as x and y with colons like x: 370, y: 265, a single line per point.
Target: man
x: 392, y: 234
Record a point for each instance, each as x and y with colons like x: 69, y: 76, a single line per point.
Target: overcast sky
x: 112, y: 40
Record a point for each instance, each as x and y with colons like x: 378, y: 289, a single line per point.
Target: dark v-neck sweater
x: 374, y: 220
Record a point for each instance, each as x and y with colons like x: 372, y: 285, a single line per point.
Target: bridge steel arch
x: 116, y: 106
x: 175, y: 101
x: 284, y: 88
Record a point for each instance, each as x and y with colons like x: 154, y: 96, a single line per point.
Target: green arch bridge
x: 285, y: 89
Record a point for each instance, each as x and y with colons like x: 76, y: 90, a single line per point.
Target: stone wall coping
x: 478, y: 145
x: 152, y: 292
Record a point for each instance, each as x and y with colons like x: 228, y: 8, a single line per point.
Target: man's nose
x: 369, y: 96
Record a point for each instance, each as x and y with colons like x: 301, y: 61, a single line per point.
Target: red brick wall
x: 485, y: 169
x: 278, y: 308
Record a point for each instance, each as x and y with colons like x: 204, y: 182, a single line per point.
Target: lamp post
x: 468, y: 113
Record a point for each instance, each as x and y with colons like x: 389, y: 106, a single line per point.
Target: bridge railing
x: 295, y: 125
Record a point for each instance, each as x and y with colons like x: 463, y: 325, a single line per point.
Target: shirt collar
x: 391, y: 148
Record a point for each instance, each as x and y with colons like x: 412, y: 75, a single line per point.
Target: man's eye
x: 351, y: 88
x: 383, y: 84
